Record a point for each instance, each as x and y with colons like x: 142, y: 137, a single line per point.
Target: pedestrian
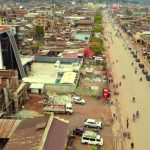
x: 137, y: 114
x: 120, y: 84
x: 133, y: 99
x: 140, y: 79
x: 116, y: 100
x: 127, y: 124
x: 132, y: 145
x: 114, y: 115
x: 135, y: 71
x: 133, y: 118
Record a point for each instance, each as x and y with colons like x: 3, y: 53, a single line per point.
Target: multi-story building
x: 9, y: 55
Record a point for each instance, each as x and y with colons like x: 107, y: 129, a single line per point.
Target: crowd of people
x: 134, y: 116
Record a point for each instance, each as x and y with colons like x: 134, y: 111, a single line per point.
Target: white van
x: 91, y: 138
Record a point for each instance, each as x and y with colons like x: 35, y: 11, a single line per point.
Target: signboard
x: 106, y: 94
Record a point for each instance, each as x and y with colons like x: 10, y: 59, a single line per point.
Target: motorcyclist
x: 133, y: 117
x: 140, y: 79
x: 137, y: 114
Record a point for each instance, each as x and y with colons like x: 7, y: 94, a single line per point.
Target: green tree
x: 98, y: 49
x: 96, y: 39
x: 98, y: 18
x: 39, y: 32
x: 97, y: 28
x: 35, y: 47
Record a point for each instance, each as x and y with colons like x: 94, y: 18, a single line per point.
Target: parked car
x: 134, y: 55
x: 93, y: 123
x: 137, y: 59
x: 78, y: 100
x: 148, y: 77
x: 91, y: 138
x: 144, y: 71
x: 78, y: 131
x: 141, y: 65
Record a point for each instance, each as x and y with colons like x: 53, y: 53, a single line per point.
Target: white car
x: 78, y: 100
x: 91, y: 138
x: 93, y: 123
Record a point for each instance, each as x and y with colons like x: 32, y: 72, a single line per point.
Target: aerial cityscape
x: 74, y: 75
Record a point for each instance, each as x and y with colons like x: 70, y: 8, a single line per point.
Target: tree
x: 98, y: 18
x: 39, y: 32
x: 98, y: 49
x: 97, y: 28
x: 35, y: 47
x: 96, y: 39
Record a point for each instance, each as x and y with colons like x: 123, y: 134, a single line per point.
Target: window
x: 85, y: 138
x: 98, y: 140
x: 91, y: 122
x: 92, y: 139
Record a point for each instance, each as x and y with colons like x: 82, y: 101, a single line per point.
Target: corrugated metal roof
x: 7, y: 127
x: 36, y: 86
x: 39, y: 133
x: 26, y: 137
x: 68, y: 77
x: 57, y: 135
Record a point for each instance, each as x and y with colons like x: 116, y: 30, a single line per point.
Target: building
x: 39, y: 134
x: 43, y: 21
x: 9, y: 56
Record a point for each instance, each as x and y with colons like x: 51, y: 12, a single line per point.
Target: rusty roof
x: 26, y: 137
x: 39, y: 133
x: 7, y: 127
x: 57, y: 135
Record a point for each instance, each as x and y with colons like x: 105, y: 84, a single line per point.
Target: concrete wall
x: 62, y: 89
